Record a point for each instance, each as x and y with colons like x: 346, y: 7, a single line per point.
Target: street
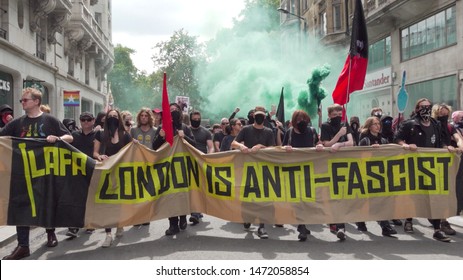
x: 215, y: 239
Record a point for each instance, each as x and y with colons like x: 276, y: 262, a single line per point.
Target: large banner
x: 271, y: 186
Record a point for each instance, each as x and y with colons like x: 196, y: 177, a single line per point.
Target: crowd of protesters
x: 106, y: 134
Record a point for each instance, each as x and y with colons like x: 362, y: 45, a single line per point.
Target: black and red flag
x: 352, y: 76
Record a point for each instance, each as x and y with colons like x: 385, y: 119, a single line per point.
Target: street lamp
x: 284, y: 11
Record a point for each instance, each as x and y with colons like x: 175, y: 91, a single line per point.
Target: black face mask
x: 259, y: 119
x: 250, y: 119
x: 302, y: 126
x: 195, y: 123
x: 113, y: 125
x: 378, y: 115
x: 425, y: 112
x: 336, y: 121
x: 354, y: 126
x: 176, y: 119
x: 443, y: 119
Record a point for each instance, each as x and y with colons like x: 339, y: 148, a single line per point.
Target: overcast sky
x: 140, y: 24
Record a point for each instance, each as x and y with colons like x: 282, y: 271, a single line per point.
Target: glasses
x: 86, y: 120
x: 25, y: 100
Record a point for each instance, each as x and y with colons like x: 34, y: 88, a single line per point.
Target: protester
x: 336, y: 134
x: 157, y: 116
x: 108, y: 142
x: 99, y: 121
x: 83, y: 141
x: 176, y: 223
x: 355, y: 126
x: 252, y: 138
x: 127, y: 120
x: 218, y: 136
x: 6, y: 114
x: 232, y: 130
x: 34, y: 124
x: 372, y: 137
x: 422, y: 131
x: 301, y: 135
x: 70, y: 124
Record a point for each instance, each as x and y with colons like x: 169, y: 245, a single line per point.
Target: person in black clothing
x: 301, y: 135
x: 355, y: 126
x: 109, y: 142
x: 83, y: 141
x: 372, y: 137
x: 422, y: 131
x: 6, y: 114
x: 34, y: 124
x: 336, y: 134
x: 176, y: 223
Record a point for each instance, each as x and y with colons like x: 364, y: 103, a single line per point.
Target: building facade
x: 423, y: 38
x: 59, y: 46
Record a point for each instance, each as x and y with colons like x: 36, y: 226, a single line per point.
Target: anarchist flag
x: 352, y: 76
x: 166, y: 117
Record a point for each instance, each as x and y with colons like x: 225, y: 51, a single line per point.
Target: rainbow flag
x: 71, y: 98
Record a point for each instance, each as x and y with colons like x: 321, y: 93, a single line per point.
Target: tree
x: 131, y: 88
x: 179, y: 57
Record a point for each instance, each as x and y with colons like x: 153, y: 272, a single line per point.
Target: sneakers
x: 247, y: 225
x: 51, y: 239
x: 388, y: 230
x: 341, y: 235
x: 89, y: 230
x: 172, y: 230
x: 262, y: 233
x: 440, y: 236
x: 408, y: 227
x: 107, y: 241
x: 145, y: 224
x: 72, y: 232
x: 119, y: 232
x: 18, y: 253
x: 445, y: 227
x: 303, y: 232
x: 361, y: 226
x: 194, y: 220
x: 333, y: 228
x: 278, y: 225
x: 397, y: 222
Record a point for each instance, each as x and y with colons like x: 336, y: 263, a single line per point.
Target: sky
x: 140, y: 24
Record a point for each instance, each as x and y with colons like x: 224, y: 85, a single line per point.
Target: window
x: 337, y: 17
x: 20, y: 14
x: 437, y: 90
x: 86, y: 105
x: 380, y: 54
x: 435, y: 32
x: 322, y: 26
x: 97, y: 108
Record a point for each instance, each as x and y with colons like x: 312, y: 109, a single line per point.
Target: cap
x: 87, y: 114
x: 259, y: 110
x: 157, y: 110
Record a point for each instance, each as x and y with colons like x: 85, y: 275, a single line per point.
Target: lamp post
x: 284, y: 11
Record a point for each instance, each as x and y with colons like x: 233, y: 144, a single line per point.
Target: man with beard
x: 251, y: 139
x: 422, y: 131
x: 336, y: 134
x: 176, y: 223
x: 203, y: 139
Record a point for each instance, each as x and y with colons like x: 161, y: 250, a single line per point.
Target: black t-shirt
x: 39, y: 127
x: 369, y: 139
x: 431, y: 137
x: 327, y: 132
x: 111, y: 148
x: 226, y: 143
x: 252, y: 136
x: 202, y: 135
x: 301, y: 140
x: 84, y: 142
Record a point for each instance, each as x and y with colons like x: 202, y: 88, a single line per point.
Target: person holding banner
x: 176, y: 223
x: 34, y: 124
x: 301, y: 135
x: 108, y: 142
x: 421, y: 130
x: 372, y: 137
x: 336, y: 134
x: 251, y: 139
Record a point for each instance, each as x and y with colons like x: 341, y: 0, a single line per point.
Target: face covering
x: 336, y: 121
x: 176, y: 119
x: 195, y: 123
x: 425, y: 112
x: 113, y: 125
x: 259, y: 119
x: 443, y: 119
x: 250, y: 119
x: 354, y: 126
x: 378, y: 115
x: 302, y: 126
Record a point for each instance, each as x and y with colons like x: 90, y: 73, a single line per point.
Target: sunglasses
x: 25, y: 100
x: 86, y: 120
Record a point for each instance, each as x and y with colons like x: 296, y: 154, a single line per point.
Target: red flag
x: 166, y: 117
x: 352, y: 76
